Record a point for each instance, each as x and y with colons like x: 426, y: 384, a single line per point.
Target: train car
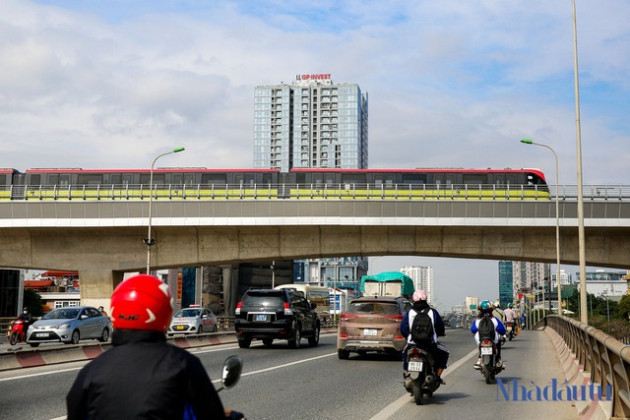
x: 8, y: 178
x: 172, y: 183
x: 434, y: 183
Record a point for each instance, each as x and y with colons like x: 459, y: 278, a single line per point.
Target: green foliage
x: 33, y: 301
x: 623, y: 308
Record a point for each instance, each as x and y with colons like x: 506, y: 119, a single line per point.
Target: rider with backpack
x: 487, y: 326
x: 422, y: 325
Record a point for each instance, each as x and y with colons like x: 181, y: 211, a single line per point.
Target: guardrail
x: 603, y: 357
x: 312, y: 191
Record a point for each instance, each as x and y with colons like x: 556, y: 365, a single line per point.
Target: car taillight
x: 395, y: 317
x: 238, y: 308
x: 399, y: 337
x: 343, y: 336
x: 345, y: 317
x: 287, y: 309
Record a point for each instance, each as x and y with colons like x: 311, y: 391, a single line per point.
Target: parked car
x: 70, y: 325
x: 193, y: 320
x: 372, y: 324
x: 269, y: 314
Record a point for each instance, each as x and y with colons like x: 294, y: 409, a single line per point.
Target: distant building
x: 526, y: 278
x: 472, y: 304
x: 422, y: 279
x: 311, y: 123
x: 608, y: 284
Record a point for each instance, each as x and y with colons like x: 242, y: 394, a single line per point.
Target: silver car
x: 69, y: 325
x: 193, y: 320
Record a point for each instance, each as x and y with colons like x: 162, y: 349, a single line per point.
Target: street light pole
x: 148, y: 240
x: 529, y: 141
x: 578, y: 142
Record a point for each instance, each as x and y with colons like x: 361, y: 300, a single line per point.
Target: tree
x: 623, y: 308
x: 33, y: 301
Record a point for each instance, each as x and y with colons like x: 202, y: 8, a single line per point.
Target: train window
x: 411, y: 178
x: 3, y: 179
x: 64, y: 180
x: 210, y: 179
x: 116, y: 179
x: 475, y: 179
x: 267, y: 178
x: 353, y: 178
x: 189, y: 179
x: 126, y: 179
x: 178, y: 179
x: 36, y: 179
x: 89, y: 179
x: 300, y: 178
x: 250, y: 179
x: 53, y: 179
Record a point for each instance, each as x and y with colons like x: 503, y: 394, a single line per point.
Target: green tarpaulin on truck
x: 391, y: 276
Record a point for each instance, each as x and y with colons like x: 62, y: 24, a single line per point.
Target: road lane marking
x: 391, y: 409
x: 297, y: 362
x: 33, y: 375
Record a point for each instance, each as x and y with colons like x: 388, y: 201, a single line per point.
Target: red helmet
x: 142, y: 302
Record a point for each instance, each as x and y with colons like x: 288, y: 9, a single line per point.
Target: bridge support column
x: 230, y: 289
x: 97, y: 286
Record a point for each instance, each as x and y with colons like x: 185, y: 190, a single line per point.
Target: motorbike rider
x: 26, y: 319
x: 510, y: 315
x: 498, y: 312
x: 438, y: 352
x: 486, y: 309
x: 143, y: 376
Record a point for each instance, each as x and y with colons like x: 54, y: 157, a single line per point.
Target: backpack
x: 422, y: 328
x: 486, y: 328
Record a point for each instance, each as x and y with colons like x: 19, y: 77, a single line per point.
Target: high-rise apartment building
x: 422, y: 280
x: 314, y: 123
x: 311, y: 123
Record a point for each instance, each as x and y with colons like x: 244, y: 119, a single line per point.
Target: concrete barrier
x: 24, y: 357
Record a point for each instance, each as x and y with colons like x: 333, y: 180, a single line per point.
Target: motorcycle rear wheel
x: 13, y: 339
x: 417, y: 392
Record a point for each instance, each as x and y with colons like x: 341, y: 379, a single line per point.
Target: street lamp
x: 529, y: 141
x: 148, y: 240
x: 578, y: 142
x: 607, y: 309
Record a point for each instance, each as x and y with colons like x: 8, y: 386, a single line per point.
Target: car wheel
x: 267, y: 342
x: 200, y: 330
x: 215, y: 328
x: 75, y: 337
x: 244, y: 342
x: 104, y: 335
x: 343, y: 354
x: 314, y: 340
x: 297, y: 337
x: 33, y: 344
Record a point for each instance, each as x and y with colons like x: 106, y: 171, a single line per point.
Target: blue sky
x: 452, y: 83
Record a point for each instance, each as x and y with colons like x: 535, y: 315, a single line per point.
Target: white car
x: 69, y: 325
x: 193, y: 320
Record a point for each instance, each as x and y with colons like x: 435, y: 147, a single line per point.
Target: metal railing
x: 606, y: 359
x: 311, y: 192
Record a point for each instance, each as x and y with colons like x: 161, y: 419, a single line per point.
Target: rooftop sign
x: 301, y: 77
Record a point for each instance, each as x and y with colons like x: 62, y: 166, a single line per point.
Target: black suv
x: 270, y: 314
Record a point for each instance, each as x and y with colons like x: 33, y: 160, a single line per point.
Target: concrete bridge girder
x: 102, y: 255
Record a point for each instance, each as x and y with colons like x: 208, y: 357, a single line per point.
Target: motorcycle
x: 510, y: 330
x: 420, y: 368
x: 16, y: 333
x: 490, y: 366
x: 230, y: 375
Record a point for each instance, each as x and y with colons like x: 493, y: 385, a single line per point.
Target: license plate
x: 179, y: 327
x: 41, y: 335
x: 486, y: 351
x: 261, y: 317
x: 414, y: 366
x: 369, y: 332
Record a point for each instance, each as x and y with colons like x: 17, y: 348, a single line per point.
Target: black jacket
x: 140, y: 377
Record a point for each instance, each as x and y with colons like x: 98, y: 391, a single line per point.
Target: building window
x: 66, y: 303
